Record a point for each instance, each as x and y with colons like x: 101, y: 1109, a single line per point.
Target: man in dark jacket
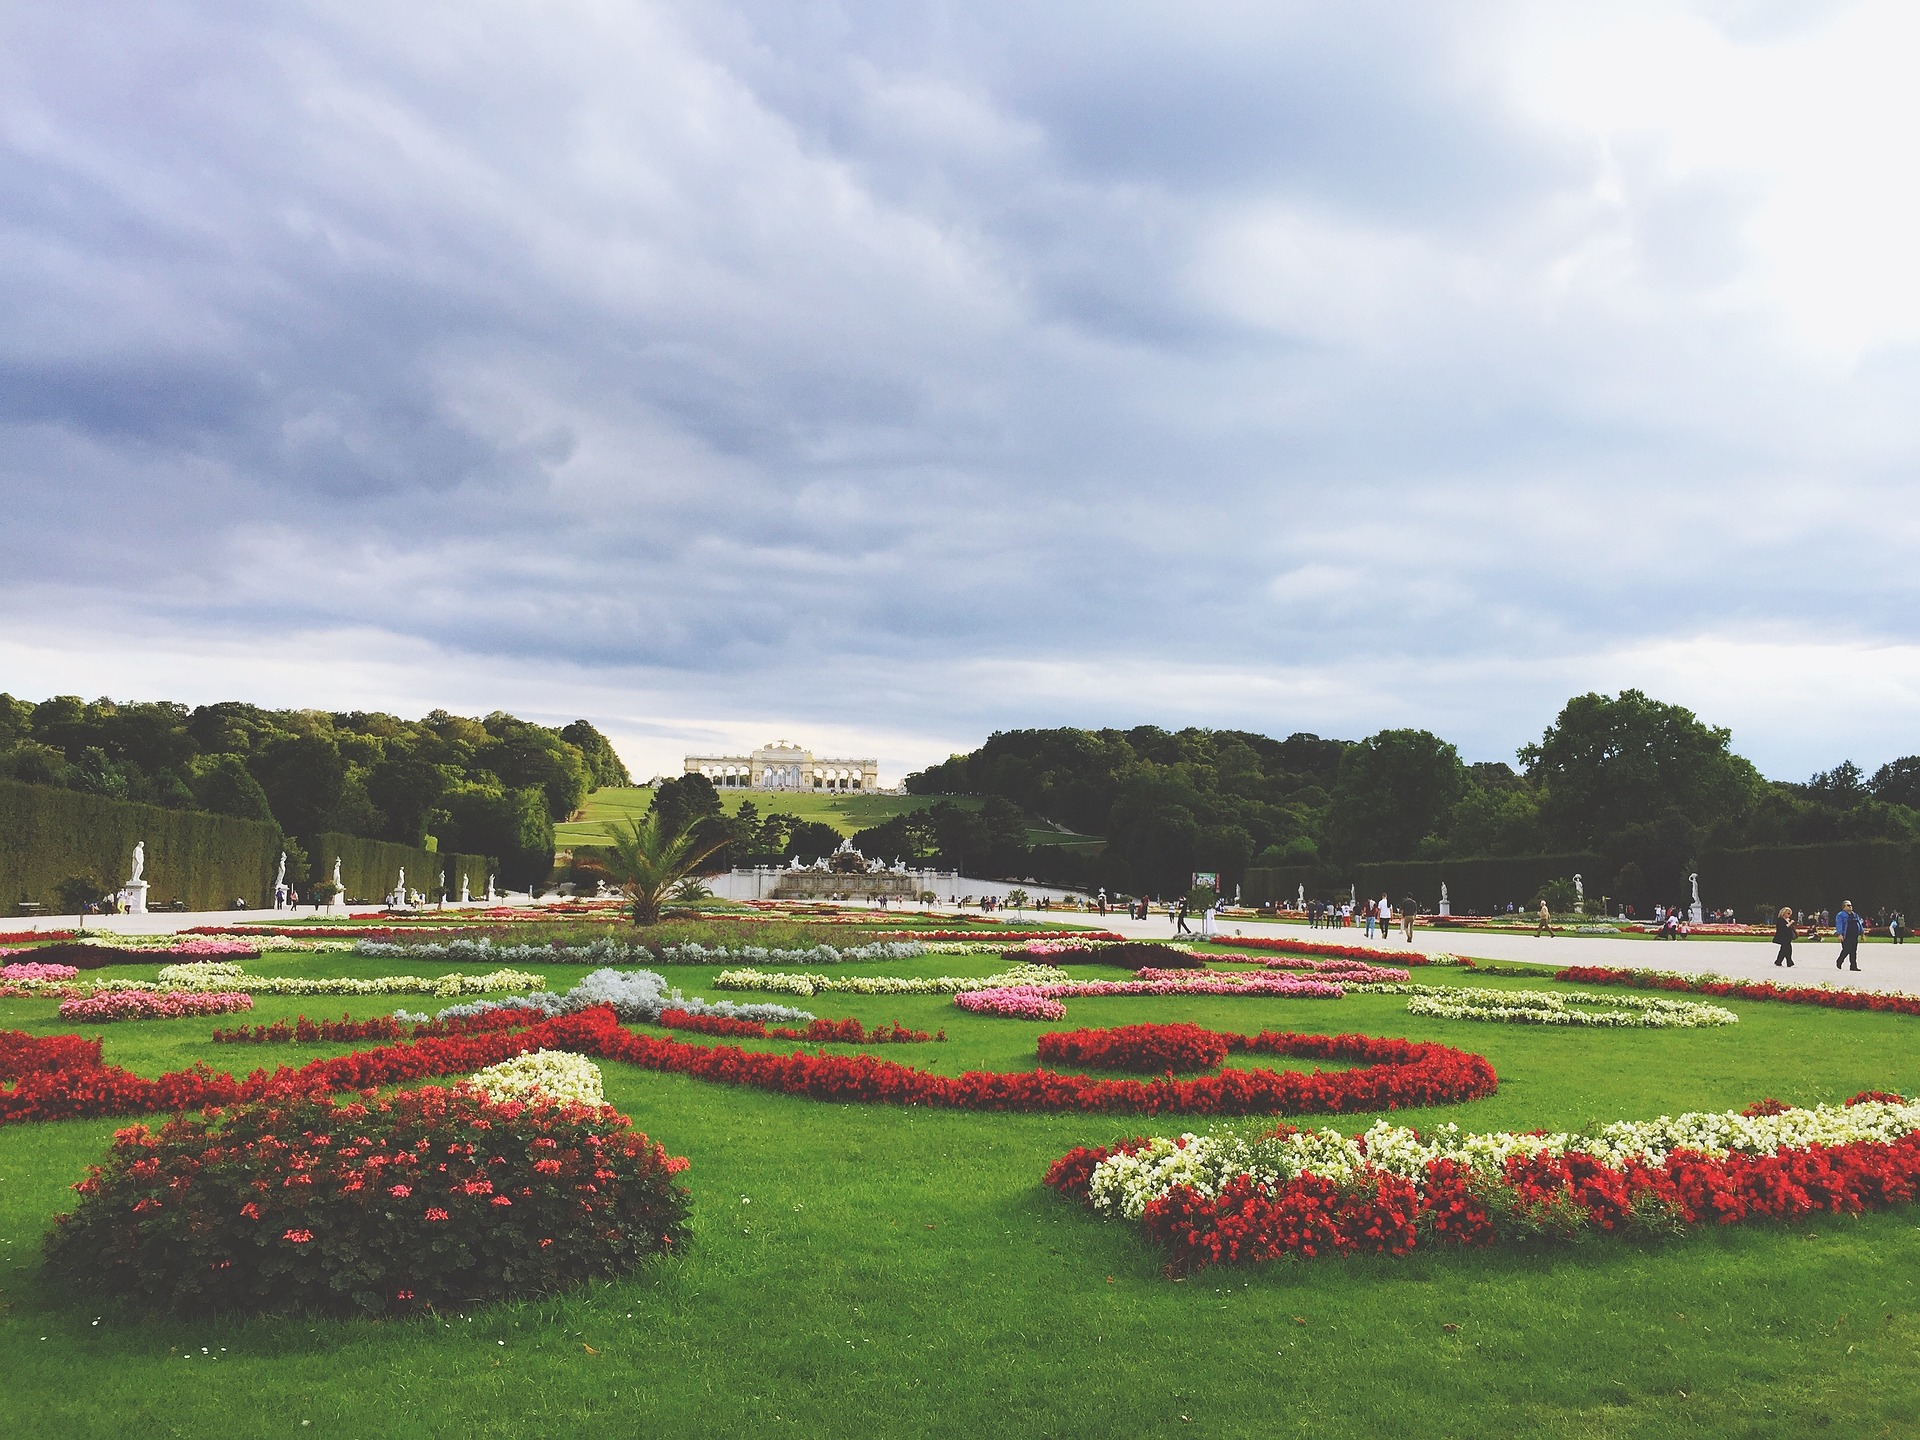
x: 1848, y: 927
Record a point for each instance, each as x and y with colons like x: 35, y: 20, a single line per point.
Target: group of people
x: 1849, y: 928
x: 1370, y: 915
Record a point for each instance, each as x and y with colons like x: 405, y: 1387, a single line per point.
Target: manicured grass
x: 846, y: 813
x: 882, y: 1271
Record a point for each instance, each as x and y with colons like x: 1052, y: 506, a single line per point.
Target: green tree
x: 647, y: 858
x: 303, y: 777
x: 408, y: 791
x: 604, y: 766
x: 1611, y: 762
x: 226, y: 787
x: 1394, y: 790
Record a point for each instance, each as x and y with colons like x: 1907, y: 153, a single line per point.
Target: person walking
x: 1180, y: 920
x: 1369, y: 919
x: 1545, y: 927
x: 1783, y: 936
x: 1897, y: 928
x: 1847, y: 926
x: 1407, y: 908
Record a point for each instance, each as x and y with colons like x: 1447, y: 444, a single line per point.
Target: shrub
x: 434, y: 1197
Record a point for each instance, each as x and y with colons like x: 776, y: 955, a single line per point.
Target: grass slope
x: 880, y: 1271
x: 846, y: 813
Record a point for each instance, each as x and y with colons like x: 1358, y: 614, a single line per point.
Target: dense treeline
x: 1644, y: 785
x: 484, y: 787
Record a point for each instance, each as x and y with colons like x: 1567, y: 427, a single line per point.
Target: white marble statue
x: 280, y: 875
x: 1446, y: 905
x: 400, y: 885
x: 1694, y: 913
x: 1579, y: 892
x: 139, y: 862
x: 339, y: 889
x: 1299, y: 897
x: 465, y: 898
x: 490, y: 895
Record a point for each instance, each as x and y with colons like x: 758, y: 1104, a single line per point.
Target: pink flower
x: 400, y: 1192
x: 298, y: 1237
x: 434, y: 1212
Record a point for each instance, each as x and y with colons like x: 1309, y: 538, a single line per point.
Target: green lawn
x: 846, y: 813
x: 876, y: 1271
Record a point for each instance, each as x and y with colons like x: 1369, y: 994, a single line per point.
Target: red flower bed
x: 1072, y: 1174
x: 1144, y: 1049
x: 304, y: 1031
x: 1741, y: 989
x: 832, y: 1032
x: 430, y: 1197
x: 1534, y: 1197
x: 1392, y: 1074
x: 31, y: 937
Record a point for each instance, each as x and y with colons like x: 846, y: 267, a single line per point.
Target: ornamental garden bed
x: 859, y: 1256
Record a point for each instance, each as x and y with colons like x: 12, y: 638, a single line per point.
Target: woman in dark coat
x: 1783, y: 936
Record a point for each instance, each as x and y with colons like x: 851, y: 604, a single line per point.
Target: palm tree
x: 648, y: 860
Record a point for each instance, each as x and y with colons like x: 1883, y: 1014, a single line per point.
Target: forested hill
x: 1645, y: 784
x: 491, y: 786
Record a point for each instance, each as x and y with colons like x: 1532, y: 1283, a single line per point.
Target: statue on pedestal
x: 1579, y: 893
x: 1299, y: 897
x: 1446, y: 905
x: 133, y: 895
x: 464, y: 882
x: 1695, y: 914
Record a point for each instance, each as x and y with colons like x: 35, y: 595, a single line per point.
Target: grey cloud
x: 798, y: 357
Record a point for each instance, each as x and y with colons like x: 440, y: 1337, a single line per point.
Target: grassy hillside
x: 845, y: 813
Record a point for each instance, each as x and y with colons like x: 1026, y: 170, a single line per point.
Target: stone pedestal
x: 337, y: 905
x: 1696, y: 914
x: 1446, y: 907
x: 133, y: 897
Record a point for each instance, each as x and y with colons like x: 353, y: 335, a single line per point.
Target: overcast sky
x: 881, y: 375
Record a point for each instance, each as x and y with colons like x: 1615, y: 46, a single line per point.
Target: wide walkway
x: 1883, y: 965
x: 174, y: 923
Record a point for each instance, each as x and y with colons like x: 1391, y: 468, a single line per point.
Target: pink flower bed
x: 145, y: 1005
x: 30, y: 970
x: 203, y: 949
x: 1042, y: 1002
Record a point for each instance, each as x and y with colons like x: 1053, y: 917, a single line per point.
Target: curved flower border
x: 64, y: 1077
x: 1296, y: 1193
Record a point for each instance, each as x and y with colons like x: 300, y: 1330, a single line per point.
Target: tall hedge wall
x: 369, y: 868
x: 48, y: 835
x: 1876, y: 875
x: 1476, y: 885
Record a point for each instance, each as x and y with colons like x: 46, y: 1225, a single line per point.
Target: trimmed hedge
x: 369, y: 868
x: 1876, y: 875
x: 48, y: 835
x: 1474, y: 885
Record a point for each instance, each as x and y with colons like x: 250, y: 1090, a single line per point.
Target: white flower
x: 1129, y: 1183
x: 552, y: 1074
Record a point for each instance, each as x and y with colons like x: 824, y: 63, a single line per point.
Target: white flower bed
x: 1553, y: 1007
x: 221, y: 975
x: 1128, y: 1183
x: 804, y: 984
x: 543, y: 1074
